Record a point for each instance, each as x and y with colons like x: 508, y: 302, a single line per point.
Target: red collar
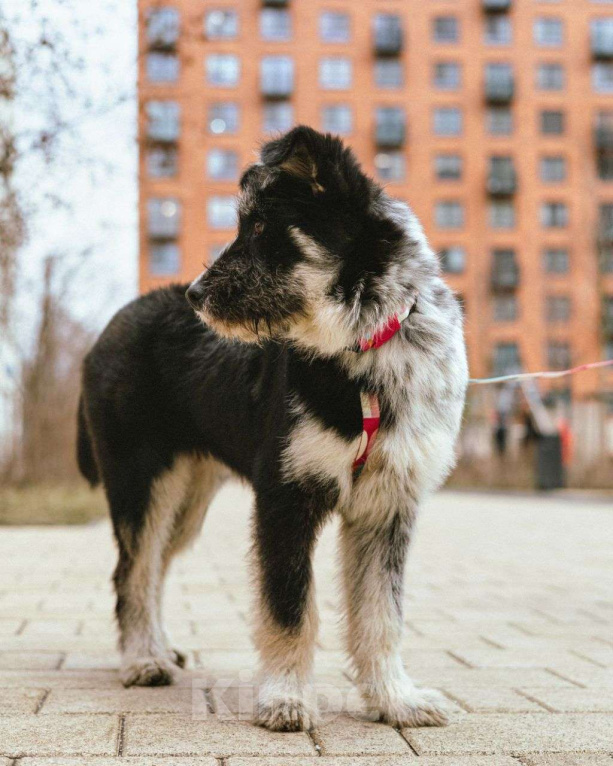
x: 371, y: 415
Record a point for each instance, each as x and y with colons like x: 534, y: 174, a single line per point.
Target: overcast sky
x: 101, y: 193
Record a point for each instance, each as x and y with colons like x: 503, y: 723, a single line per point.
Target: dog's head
x: 315, y: 252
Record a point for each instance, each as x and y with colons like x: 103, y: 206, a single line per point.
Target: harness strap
x: 371, y: 414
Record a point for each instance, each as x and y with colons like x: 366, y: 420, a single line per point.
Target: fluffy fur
x: 266, y: 387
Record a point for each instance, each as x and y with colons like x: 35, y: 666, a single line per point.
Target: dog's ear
x: 296, y: 154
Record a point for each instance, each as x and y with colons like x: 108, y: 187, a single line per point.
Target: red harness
x: 371, y: 415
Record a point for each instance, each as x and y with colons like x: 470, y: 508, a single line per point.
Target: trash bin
x: 549, y: 467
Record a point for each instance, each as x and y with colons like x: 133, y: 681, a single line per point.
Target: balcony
x: 607, y: 325
x: 275, y: 3
x: 388, y: 36
x: 497, y: 6
x: 390, y: 130
x: 502, y: 179
x: 499, y: 88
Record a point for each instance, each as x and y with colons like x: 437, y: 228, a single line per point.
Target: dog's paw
x: 148, y: 671
x: 285, y: 715
x: 418, y: 707
x: 177, y: 658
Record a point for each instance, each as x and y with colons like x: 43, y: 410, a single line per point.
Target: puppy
x: 321, y: 359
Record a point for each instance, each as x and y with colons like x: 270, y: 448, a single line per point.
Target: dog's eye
x: 258, y: 228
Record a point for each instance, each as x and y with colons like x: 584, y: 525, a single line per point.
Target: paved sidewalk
x: 509, y: 611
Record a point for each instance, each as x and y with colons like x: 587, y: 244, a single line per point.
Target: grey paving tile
x: 516, y: 735
x: 181, y: 735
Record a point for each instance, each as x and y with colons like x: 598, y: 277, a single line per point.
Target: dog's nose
x: 195, y: 294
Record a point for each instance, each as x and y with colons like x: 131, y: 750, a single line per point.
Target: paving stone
x: 344, y: 735
x: 575, y: 700
x: 20, y: 701
x: 567, y: 760
x: 58, y: 735
x: 161, y: 700
x: 180, y: 735
x: 97, y: 761
x: 29, y: 660
x: 478, y: 678
x: 516, y: 658
x: 92, y: 661
x: 492, y: 700
x: 10, y: 627
x: 376, y: 760
x: 516, y: 735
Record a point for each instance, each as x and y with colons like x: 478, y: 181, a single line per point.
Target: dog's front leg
x: 373, y: 559
x: 286, y: 525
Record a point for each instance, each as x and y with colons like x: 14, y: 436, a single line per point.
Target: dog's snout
x: 195, y: 294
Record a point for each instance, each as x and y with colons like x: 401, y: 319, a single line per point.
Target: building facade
x: 492, y: 118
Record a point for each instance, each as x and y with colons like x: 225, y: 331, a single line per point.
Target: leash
x: 371, y: 413
x: 547, y: 375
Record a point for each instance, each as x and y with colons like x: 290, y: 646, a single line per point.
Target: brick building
x: 492, y: 118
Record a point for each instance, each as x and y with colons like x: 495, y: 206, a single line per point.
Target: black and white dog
x: 329, y: 371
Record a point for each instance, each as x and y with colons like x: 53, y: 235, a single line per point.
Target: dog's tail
x: 85, y: 452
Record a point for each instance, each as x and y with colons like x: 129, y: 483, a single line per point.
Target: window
x: 334, y: 27
x: 390, y: 126
x: 448, y: 121
x: 275, y: 24
x: 337, y: 118
x: 223, y: 118
x: 335, y: 73
x: 602, y: 77
x: 499, y: 121
x: 554, y: 215
x: 557, y: 308
x: 499, y: 83
x: 221, y: 24
x: 548, y: 32
x: 606, y: 259
x: 602, y: 36
x: 604, y: 165
x: 163, y: 217
x: 277, y: 76
x: 162, y: 28
x: 556, y: 261
x: 552, y: 123
x: 605, y: 221
x: 607, y: 313
x: 162, y: 67
x: 505, y: 271
x: 164, y: 259
x: 502, y: 214
x: 553, y: 169
x: 505, y: 308
x: 278, y: 118
x: 550, y: 77
x: 447, y: 75
x: 506, y: 359
x: 162, y: 162
x: 448, y: 167
x: 498, y: 30
x: 449, y: 214
x: 223, y: 69
x: 446, y: 29
x: 388, y: 37
x: 453, y: 260
x: 558, y: 355
x: 221, y: 212
x: 388, y: 74
x: 162, y: 121
x: 390, y: 166
x: 222, y: 165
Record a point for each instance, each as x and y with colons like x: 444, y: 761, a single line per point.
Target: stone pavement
x: 509, y: 612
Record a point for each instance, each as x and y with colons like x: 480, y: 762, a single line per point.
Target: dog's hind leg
x: 286, y: 526
x: 207, y: 476
x: 373, y: 558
